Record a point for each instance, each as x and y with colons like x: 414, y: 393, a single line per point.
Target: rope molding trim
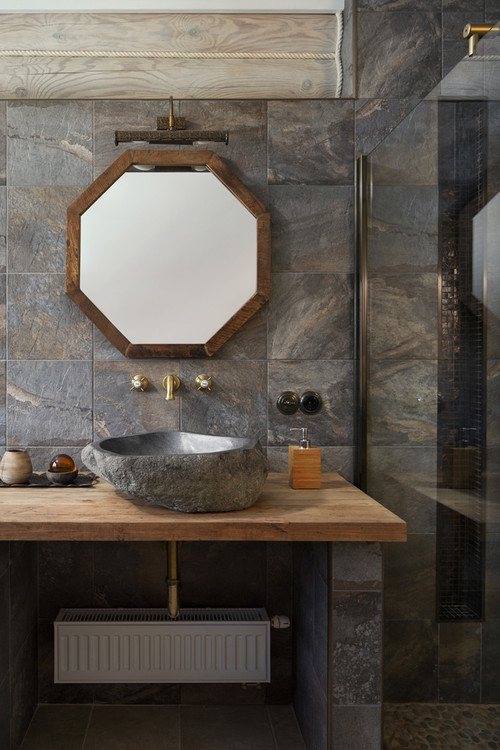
x: 170, y: 54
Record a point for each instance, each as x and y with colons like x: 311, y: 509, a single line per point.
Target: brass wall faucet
x: 171, y: 384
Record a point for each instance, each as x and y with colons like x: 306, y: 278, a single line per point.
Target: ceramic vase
x: 15, y: 466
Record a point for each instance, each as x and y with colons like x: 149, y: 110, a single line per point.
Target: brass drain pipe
x: 172, y: 580
x: 473, y: 32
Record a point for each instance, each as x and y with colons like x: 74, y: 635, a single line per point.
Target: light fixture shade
x: 171, y: 6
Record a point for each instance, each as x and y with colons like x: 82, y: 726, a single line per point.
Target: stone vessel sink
x: 182, y: 471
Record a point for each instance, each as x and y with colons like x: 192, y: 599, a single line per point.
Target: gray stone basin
x: 182, y: 471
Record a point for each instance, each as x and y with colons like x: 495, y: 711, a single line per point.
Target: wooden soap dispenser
x: 304, y: 464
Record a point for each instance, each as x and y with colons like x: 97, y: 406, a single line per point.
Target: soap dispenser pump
x: 304, y: 464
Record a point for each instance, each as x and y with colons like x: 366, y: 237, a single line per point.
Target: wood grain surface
x: 336, y: 512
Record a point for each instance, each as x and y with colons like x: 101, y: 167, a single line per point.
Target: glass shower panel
x: 430, y: 401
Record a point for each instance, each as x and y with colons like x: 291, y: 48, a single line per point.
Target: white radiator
x: 145, y: 645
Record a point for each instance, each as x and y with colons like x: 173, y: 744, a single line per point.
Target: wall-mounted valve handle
x: 139, y: 383
x: 203, y: 383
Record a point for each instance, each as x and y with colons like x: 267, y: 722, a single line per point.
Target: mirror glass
x: 169, y: 261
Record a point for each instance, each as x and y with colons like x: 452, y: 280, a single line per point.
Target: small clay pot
x: 62, y: 477
x: 15, y: 466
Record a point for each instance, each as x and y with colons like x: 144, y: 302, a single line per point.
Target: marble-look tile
x: 43, y: 322
x: 223, y: 574
x: 410, y: 578
x: 311, y: 142
x: 376, y: 118
x: 246, y: 152
x: 401, y: 5
x: 61, y: 727
x: 120, y: 411
x: 65, y: 576
x: 491, y: 10
x: 493, y: 402
x: 333, y: 380
x: 312, y: 228
x: 49, y: 403
x: 111, y: 115
x: 410, y: 661
x: 5, y: 712
x: 3, y: 143
x: 475, y: 6
x: 41, y: 457
x: 409, y: 154
x: 357, y: 566
x: 23, y: 679
x: 356, y: 727
x: 117, y: 564
x: 3, y: 406
x: 403, y: 230
x: 279, y: 577
x: 311, y: 704
x: 136, y: 694
x: 412, y: 66
x: 49, y: 143
x: 250, y: 342
x: 104, y: 349
x: 403, y: 396
x: 311, y: 316
x: 222, y: 727
x: 4, y: 554
x: 285, y: 728
x: 4, y: 624
x: 320, y: 630
x: 459, y: 662
x: 37, y: 228
x: 23, y: 598
x: 403, y: 316
x: 236, y: 405
x: 220, y: 694
x: 357, y: 647
x: 48, y: 690
x: 3, y: 229
x: 404, y: 480
x: 147, y: 727
x: 3, y: 328
x: 453, y: 53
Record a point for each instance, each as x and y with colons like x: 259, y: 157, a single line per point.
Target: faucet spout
x: 171, y: 383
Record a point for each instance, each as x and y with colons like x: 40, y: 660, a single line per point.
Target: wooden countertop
x: 336, y: 512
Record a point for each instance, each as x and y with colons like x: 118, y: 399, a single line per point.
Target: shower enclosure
x: 429, y: 403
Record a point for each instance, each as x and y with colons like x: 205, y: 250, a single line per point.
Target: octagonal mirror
x: 168, y: 253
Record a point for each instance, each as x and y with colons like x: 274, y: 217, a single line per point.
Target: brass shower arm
x: 474, y: 31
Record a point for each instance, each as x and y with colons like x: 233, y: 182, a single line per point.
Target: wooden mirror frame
x: 164, y: 158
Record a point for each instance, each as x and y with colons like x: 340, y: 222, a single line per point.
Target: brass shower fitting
x: 172, y: 580
x: 171, y: 383
x: 474, y: 31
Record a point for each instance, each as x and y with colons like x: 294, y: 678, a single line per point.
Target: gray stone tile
x: 4, y: 713
x: 403, y: 232
x: 395, y: 163
x: 413, y: 66
x: 401, y: 5
x: 356, y: 726
x: 236, y: 404
x: 37, y: 228
x: 220, y: 694
x: 116, y: 564
x: 222, y: 727
x: 376, y: 118
x: 129, y: 727
x: 49, y: 403
x: 410, y: 661
x: 285, y: 728
x: 312, y: 228
x: 120, y: 411
x: 459, y: 662
x: 250, y: 342
x: 49, y: 143
x: 65, y: 576
x: 246, y: 152
x: 311, y: 316
x: 41, y: 457
x: 490, y: 655
x: 3, y: 409
x: 311, y: 142
x: 410, y: 578
x: 61, y: 727
x: 403, y: 316
x: 3, y: 142
x: 4, y: 624
x: 4, y: 555
x: 493, y: 402
x: 475, y: 6
x: 104, y: 349
x: 357, y: 566
x: 43, y: 322
x: 23, y: 598
x: 23, y: 681
x: 136, y: 694
x: 3, y: 332
x: 357, y: 647
x: 310, y: 704
x: 333, y: 380
x: 403, y: 396
x: 491, y: 10
x: 48, y: 690
x: 3, y: 229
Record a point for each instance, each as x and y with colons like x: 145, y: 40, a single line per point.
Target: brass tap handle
x: 203, y: 383
x: 171, y: 384
x: 139, y: 383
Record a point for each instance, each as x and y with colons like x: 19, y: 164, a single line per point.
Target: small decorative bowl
x: 61, y: 477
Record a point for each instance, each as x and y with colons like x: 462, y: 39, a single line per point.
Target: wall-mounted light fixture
x: 171, y: 130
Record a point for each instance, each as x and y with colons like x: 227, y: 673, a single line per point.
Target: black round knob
x: 288, y: 402
x: 311, y: 402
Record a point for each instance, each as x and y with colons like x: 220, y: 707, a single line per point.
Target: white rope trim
x: 169, y: 54
x: 337, y: 54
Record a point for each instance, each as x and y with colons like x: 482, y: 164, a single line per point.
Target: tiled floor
x: 426, y: 726
x: 163, y: 728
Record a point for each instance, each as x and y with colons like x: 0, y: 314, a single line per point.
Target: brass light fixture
x: 171, y: 130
